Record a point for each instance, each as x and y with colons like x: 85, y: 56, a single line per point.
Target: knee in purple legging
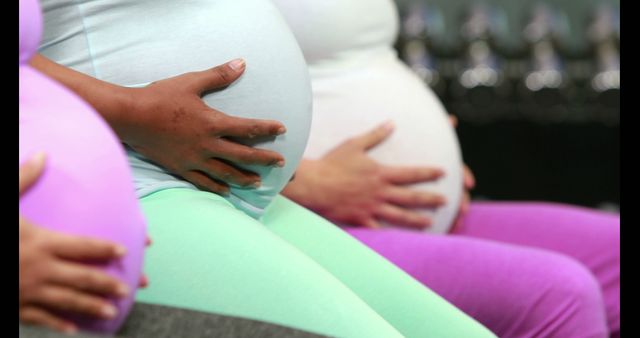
x: 568, y: 302
x: 590, y: 236
x: 514, y: 290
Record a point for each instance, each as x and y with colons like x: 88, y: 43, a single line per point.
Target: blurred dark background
x: 536, y: 89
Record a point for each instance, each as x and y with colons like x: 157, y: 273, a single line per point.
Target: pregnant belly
x: 352, y: 103
x: 85, y: 188
x: 144, y: 41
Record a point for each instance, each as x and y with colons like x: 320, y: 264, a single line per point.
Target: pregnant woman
x: 249, y: 253
x: 77, y: 207
x: 522, y: 269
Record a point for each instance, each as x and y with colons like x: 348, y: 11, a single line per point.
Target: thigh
x: 557, y: 227
x: 515, y: 291
x: 208, y: 256
x: 590, y: 236
x: 405, y: 303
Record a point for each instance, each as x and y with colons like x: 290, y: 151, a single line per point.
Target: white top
x: 358, y: 82
x: 136, y: 42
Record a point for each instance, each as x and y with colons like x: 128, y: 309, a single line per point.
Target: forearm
x: 113, y: 102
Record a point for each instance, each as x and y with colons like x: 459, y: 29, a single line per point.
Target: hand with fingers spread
x: 192, y: 140
x: 51, y: 279
x: 169, y: 123
x: 347, y: 186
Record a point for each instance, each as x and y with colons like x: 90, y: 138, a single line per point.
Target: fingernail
x: 109, y: 311
x: 120, y: 250
x: 282, y: 130
x: 388, y: 126
x: 37, y: 158
x: 256, y: 184
x: 280, y: 163
x: 237, y: 64
x: 122, y: 290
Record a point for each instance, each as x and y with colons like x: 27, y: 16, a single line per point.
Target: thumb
x: 218, y: 77
x: 453, y: 120
x: 375, y: 136
x: 30, y: 171
x: 468, y: 178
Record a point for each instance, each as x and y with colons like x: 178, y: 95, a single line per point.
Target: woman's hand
x: 469, y: 182
x: 169, y: 123
x: 50, y: 278
x: 144, y: 280
x: 190, y: 139
x: 347, y: 186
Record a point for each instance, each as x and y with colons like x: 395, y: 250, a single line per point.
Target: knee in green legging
x: 302, y: 272
x: 209, y: 256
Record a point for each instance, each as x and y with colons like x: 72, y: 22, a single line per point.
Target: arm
x: 168, y: 122
x: 111, y: 101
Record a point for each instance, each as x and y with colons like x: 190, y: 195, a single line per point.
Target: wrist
x: 301, y: 188
x: 124, y: 112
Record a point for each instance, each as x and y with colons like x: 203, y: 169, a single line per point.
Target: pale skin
x: 349, y: 187
x: 50, y: 279
x: 169, y: 123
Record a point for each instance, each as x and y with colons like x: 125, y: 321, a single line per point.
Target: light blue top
x: 136, y: 42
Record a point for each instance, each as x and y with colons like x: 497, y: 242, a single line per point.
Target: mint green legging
x: 293, y: 268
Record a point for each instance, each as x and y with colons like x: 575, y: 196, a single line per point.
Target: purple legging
x: 521, y: 269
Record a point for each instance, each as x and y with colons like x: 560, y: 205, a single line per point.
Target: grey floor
x: 155, y: 321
